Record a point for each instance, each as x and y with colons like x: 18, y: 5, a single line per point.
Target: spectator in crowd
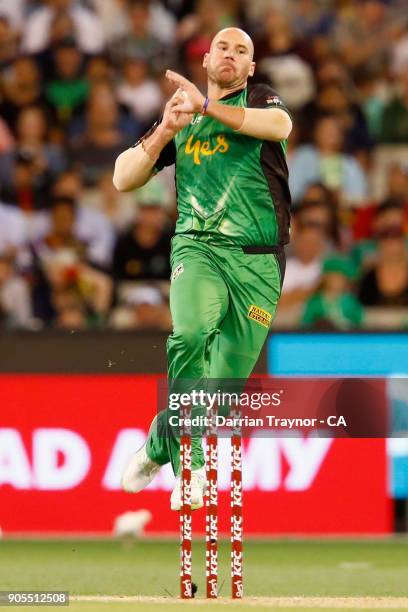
x: 29, y: 184
x: 285, y: 60
x: 390, y: 215
x: 15, y: 298
x: 139, y: 92
x: 333, y: 306
x: 399, y: 50
x: 13, y: 232
x: 303, y: 268
x: 319, y: 208
x: 101, y: 134
x: 332, y: 99
x: 62, y: 28
x: 13, y: 12
x: 311, y: 20
x: 27, y: 172
x: 394, y: 126
x: 162, y: 23
x: 68, y: 89
x: 66, y: 281
x: 22, y: 87
x: 372, y: 92
x: 200, y: 26
x: 118, y: 208
x: 61, y: 235
x: 113, y: 17
x: 92, y: 227
x: 279, y: 39
x: 100, y: 69
x: 331, y: 71
x: 326, y: 162
x: 397, y: 183
x: 363, y: 32
x: 193, y: 57
x: 70, y: 310
x: 80, y: 295
x: 38, y: 28
x: 142, y: 253
x: 144, y: 308
x: 386, y: 283
x: 7, y: 142
x: 8, y: 43
x: 143, y: 39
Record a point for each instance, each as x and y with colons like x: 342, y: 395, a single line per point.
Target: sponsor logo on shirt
x: 263, y: 317
x: 177, y: 271
x: 205, y: 148
x: 273, y: 100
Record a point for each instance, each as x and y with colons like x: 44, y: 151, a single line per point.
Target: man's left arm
x: 263, y: 122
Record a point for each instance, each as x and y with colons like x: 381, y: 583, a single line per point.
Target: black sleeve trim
x: 264, y: 96
x: 147, y: 134
x: 167, y: 156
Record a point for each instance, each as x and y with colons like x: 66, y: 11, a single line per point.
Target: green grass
x: 278, y: 568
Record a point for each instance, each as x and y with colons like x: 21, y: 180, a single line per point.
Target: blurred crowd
x: 81, y: 80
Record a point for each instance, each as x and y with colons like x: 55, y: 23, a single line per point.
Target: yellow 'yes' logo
x: 199, y: 148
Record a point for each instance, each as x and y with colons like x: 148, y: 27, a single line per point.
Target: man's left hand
x: 193, y: 98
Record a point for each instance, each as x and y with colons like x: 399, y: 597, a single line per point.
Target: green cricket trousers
x: 222, y: 302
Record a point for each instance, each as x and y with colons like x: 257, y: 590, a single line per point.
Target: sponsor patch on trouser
x: 259, y: 315
x: 177, y: 271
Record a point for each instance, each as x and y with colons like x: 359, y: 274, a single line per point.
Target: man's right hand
x: 173, y: 122
x: 134, y: 167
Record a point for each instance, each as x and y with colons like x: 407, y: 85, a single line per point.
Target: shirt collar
x: 232, y: 94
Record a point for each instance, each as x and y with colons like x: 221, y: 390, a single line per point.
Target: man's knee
x: 191, y: 338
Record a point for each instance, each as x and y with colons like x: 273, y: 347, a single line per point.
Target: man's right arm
x: 134, y: 167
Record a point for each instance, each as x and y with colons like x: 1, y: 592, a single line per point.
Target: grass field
x: 281, y: 574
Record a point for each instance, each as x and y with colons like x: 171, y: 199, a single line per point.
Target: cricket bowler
x: 227, y: 254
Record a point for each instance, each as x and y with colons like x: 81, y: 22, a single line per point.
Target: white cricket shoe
x: 198, y: 486
x: 139, y: 472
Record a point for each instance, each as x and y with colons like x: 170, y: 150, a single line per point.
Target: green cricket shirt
x: 232, y: 189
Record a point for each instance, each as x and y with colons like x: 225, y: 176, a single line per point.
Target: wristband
x: 205, y: 106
